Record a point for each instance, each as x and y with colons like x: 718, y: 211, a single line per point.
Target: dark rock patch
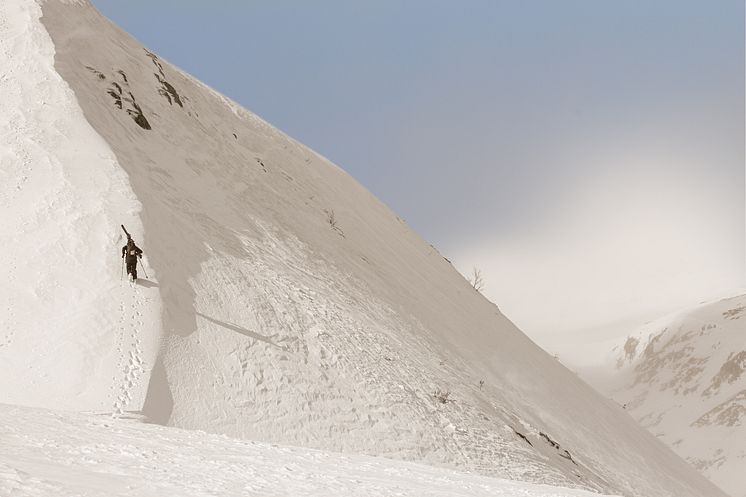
x: 168, y: 91
x: 156, y: 62
x: 117, y: 92
x: 98, y: 73
x: 560, y: 451
x: 136, y: 113
x: 522, y: 436
x: 549, y: 440
x: 116, y: 97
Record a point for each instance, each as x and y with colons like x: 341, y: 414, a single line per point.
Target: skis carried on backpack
x: 132, y: 281
x: 136, y: 252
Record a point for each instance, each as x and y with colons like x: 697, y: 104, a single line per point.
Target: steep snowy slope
x: 684, y: 379
x: 57, y: 454
x: 71, y: 335
x: 296, y: 308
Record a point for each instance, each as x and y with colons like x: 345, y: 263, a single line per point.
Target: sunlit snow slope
x: 294, y: 306
x: 684, y: 379
x: 71, y: 334
x: 55, y: 454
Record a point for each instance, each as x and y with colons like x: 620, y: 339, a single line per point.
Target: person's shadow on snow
x: 243, y: 331
x: 146, y: 283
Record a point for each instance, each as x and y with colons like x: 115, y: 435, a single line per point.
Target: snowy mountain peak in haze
x: 284, y: 303
x: 684, y: 378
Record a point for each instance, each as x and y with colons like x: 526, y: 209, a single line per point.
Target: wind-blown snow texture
x: 294, y: 306
x: 65, y: 454
x: 684, y: 379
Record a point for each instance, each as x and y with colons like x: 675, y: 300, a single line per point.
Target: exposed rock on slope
x: 684, y: 378
x: 297, y: 308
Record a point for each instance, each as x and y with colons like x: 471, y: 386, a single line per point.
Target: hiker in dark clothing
x: 131, y: 252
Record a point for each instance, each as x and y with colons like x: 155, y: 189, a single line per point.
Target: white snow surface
x: 284, y: 303
x: 71, y: 334
x: 62, y: 454
x: 684, y: 378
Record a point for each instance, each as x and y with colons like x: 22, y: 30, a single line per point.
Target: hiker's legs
x: 132, y: 269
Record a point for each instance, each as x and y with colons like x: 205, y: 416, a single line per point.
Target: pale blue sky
x: 519, y: 136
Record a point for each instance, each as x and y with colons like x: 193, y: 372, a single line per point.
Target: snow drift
x: 285, y: 303
x: 684, y: 378
x: 71, y: 335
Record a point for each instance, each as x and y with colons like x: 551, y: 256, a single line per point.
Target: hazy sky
x: 588, y: 156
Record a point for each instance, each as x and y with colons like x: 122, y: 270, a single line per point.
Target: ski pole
x: 143, y: 267
x: 121, y: 273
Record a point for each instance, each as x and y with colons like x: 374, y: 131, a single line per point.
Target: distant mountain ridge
x: 684, y: 379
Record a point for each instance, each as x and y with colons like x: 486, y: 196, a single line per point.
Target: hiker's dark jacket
x: 131, y: 252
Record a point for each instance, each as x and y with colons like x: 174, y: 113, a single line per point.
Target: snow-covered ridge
x: 684, y: 378
x: 70, y: 335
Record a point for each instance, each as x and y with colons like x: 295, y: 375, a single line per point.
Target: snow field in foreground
x: 62, y: 454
